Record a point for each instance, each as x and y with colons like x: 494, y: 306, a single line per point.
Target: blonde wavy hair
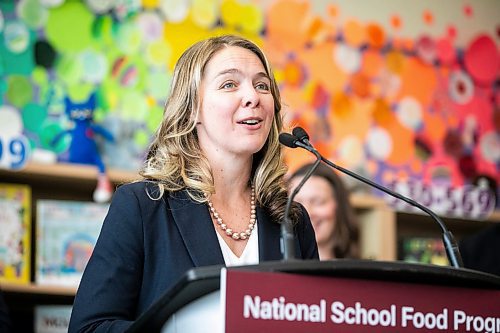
x: 175, y: 160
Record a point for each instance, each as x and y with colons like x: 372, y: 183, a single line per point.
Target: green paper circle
x: 33, y: 116
x: 19, y: 91
x: 39, y: 75
x: 33, y: 13
x: 3, y: 87
x: 47, y: 133
x: 69, y: 27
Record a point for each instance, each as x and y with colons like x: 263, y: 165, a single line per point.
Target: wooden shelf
x: 67, y: 171
x: 494, y: 216
x: 366, y: 201
x: 37, y: 289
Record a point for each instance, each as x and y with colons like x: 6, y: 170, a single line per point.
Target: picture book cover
x: 66, y: 235
x: 15, y: 235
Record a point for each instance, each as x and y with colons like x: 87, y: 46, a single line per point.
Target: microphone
x: 302, y: 135
x: 450, y: 245
x: 287, y: 235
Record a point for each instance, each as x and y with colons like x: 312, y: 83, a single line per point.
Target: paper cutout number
x: 13, y: 152
x: 464, y: 201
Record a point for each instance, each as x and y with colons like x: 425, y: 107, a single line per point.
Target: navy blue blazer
x: 146, y: 245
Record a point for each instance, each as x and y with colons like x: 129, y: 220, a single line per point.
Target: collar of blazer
x: 198, y: 233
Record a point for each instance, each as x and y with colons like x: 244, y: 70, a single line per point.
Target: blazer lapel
x: 196, y: 228
x: 269, y: 237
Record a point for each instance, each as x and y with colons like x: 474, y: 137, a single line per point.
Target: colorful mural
x: 401, y: 109
x: 417, y: 114
x: 121, y: 51
x: 391, y: 106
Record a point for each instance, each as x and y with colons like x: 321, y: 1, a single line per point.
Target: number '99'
x: 13, y: 152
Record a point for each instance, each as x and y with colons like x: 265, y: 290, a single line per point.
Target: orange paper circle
x: 354, y: 33
x: 376, y: 35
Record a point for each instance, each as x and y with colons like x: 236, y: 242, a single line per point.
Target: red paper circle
x: 445, y: 51
x: 482, y: 60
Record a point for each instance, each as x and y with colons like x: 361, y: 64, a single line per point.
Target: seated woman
x: 327, y: 201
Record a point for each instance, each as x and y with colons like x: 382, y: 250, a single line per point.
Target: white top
x: 250, y: 255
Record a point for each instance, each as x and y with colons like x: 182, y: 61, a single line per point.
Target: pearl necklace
x: 229, y: 232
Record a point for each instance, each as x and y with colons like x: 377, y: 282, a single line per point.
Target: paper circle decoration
x: 426, y: 49
x: 351, y: 151
x: 174, y: 10
x: 409, y: 112
x: 460, y: 87
x: 445, y: 51
x: 490, y: 147
x: 16, y: 36
x: 379, y: 143
x: 482, y: 60
x: 11, y: 123
x: 347, y: 58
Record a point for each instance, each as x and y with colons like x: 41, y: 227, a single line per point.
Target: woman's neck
x: 231, y: 179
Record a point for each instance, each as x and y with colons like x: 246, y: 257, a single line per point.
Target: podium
x: 327, y: 296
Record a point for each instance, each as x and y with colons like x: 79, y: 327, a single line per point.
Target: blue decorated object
x: 83, y: 147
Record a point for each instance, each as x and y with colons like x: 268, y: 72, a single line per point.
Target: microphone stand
x: 287, y: 234
x: 451, y: 246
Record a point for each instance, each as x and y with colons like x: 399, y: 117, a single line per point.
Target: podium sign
x: 284, y: 302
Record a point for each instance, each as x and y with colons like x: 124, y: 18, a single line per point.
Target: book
x: 423, y: 250
x: 66, y: 235
x: 15, y: 235
x: 52, y: 318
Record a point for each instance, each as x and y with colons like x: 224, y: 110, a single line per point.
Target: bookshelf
x: 377, y: 223
x: 37, y: 290
x: 49, y: 181
x: 380, y: 225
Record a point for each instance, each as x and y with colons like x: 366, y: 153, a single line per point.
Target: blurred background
x: 404, y: 93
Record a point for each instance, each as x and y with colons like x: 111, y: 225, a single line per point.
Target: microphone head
x: 288, y: 140
x: 300, y: 133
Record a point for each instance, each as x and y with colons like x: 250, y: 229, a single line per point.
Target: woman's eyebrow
x: 264, y: 75
x: 227, y: 71
x: 237, y: 71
